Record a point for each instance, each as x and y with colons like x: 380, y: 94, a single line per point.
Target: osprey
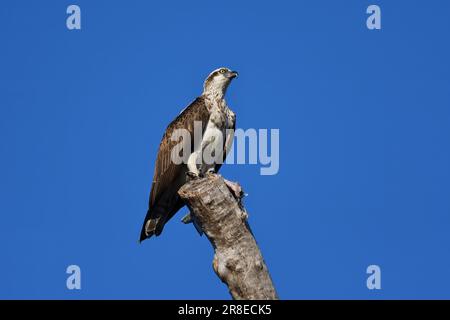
x: 217, y: 126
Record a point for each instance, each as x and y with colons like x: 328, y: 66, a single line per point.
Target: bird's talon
x: 192, y: 175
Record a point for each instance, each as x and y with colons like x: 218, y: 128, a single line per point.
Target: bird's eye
x: 222, y: 70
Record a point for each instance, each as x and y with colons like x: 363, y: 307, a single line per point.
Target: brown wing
x: 168, y: 176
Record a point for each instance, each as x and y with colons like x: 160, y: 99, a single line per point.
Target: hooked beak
x: 233, y: 74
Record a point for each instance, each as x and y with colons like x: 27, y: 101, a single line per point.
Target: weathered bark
x: 220, y: 215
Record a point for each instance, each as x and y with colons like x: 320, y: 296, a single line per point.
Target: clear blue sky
x: 364, y: 119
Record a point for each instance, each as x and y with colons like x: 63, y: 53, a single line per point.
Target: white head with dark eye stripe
x: 218, y: 81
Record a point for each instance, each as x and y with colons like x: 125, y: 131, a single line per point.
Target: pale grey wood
x: 217, y: 209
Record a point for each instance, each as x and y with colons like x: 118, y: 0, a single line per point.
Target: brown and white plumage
x: 212, y: 111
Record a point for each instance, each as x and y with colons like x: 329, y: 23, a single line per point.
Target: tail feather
x: 157, y: 216
x: 153, y: 225
x: 148, y: 229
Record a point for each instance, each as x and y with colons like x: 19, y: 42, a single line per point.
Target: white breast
x: 210, y: 151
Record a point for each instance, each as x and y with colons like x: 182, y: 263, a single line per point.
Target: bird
x: 217, y: 123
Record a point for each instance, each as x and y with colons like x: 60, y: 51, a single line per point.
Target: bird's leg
x: 193, y: 172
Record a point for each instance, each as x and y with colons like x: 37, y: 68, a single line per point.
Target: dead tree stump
x: 220, y: 215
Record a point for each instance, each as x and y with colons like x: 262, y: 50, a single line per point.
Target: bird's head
x: 218, y: 81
